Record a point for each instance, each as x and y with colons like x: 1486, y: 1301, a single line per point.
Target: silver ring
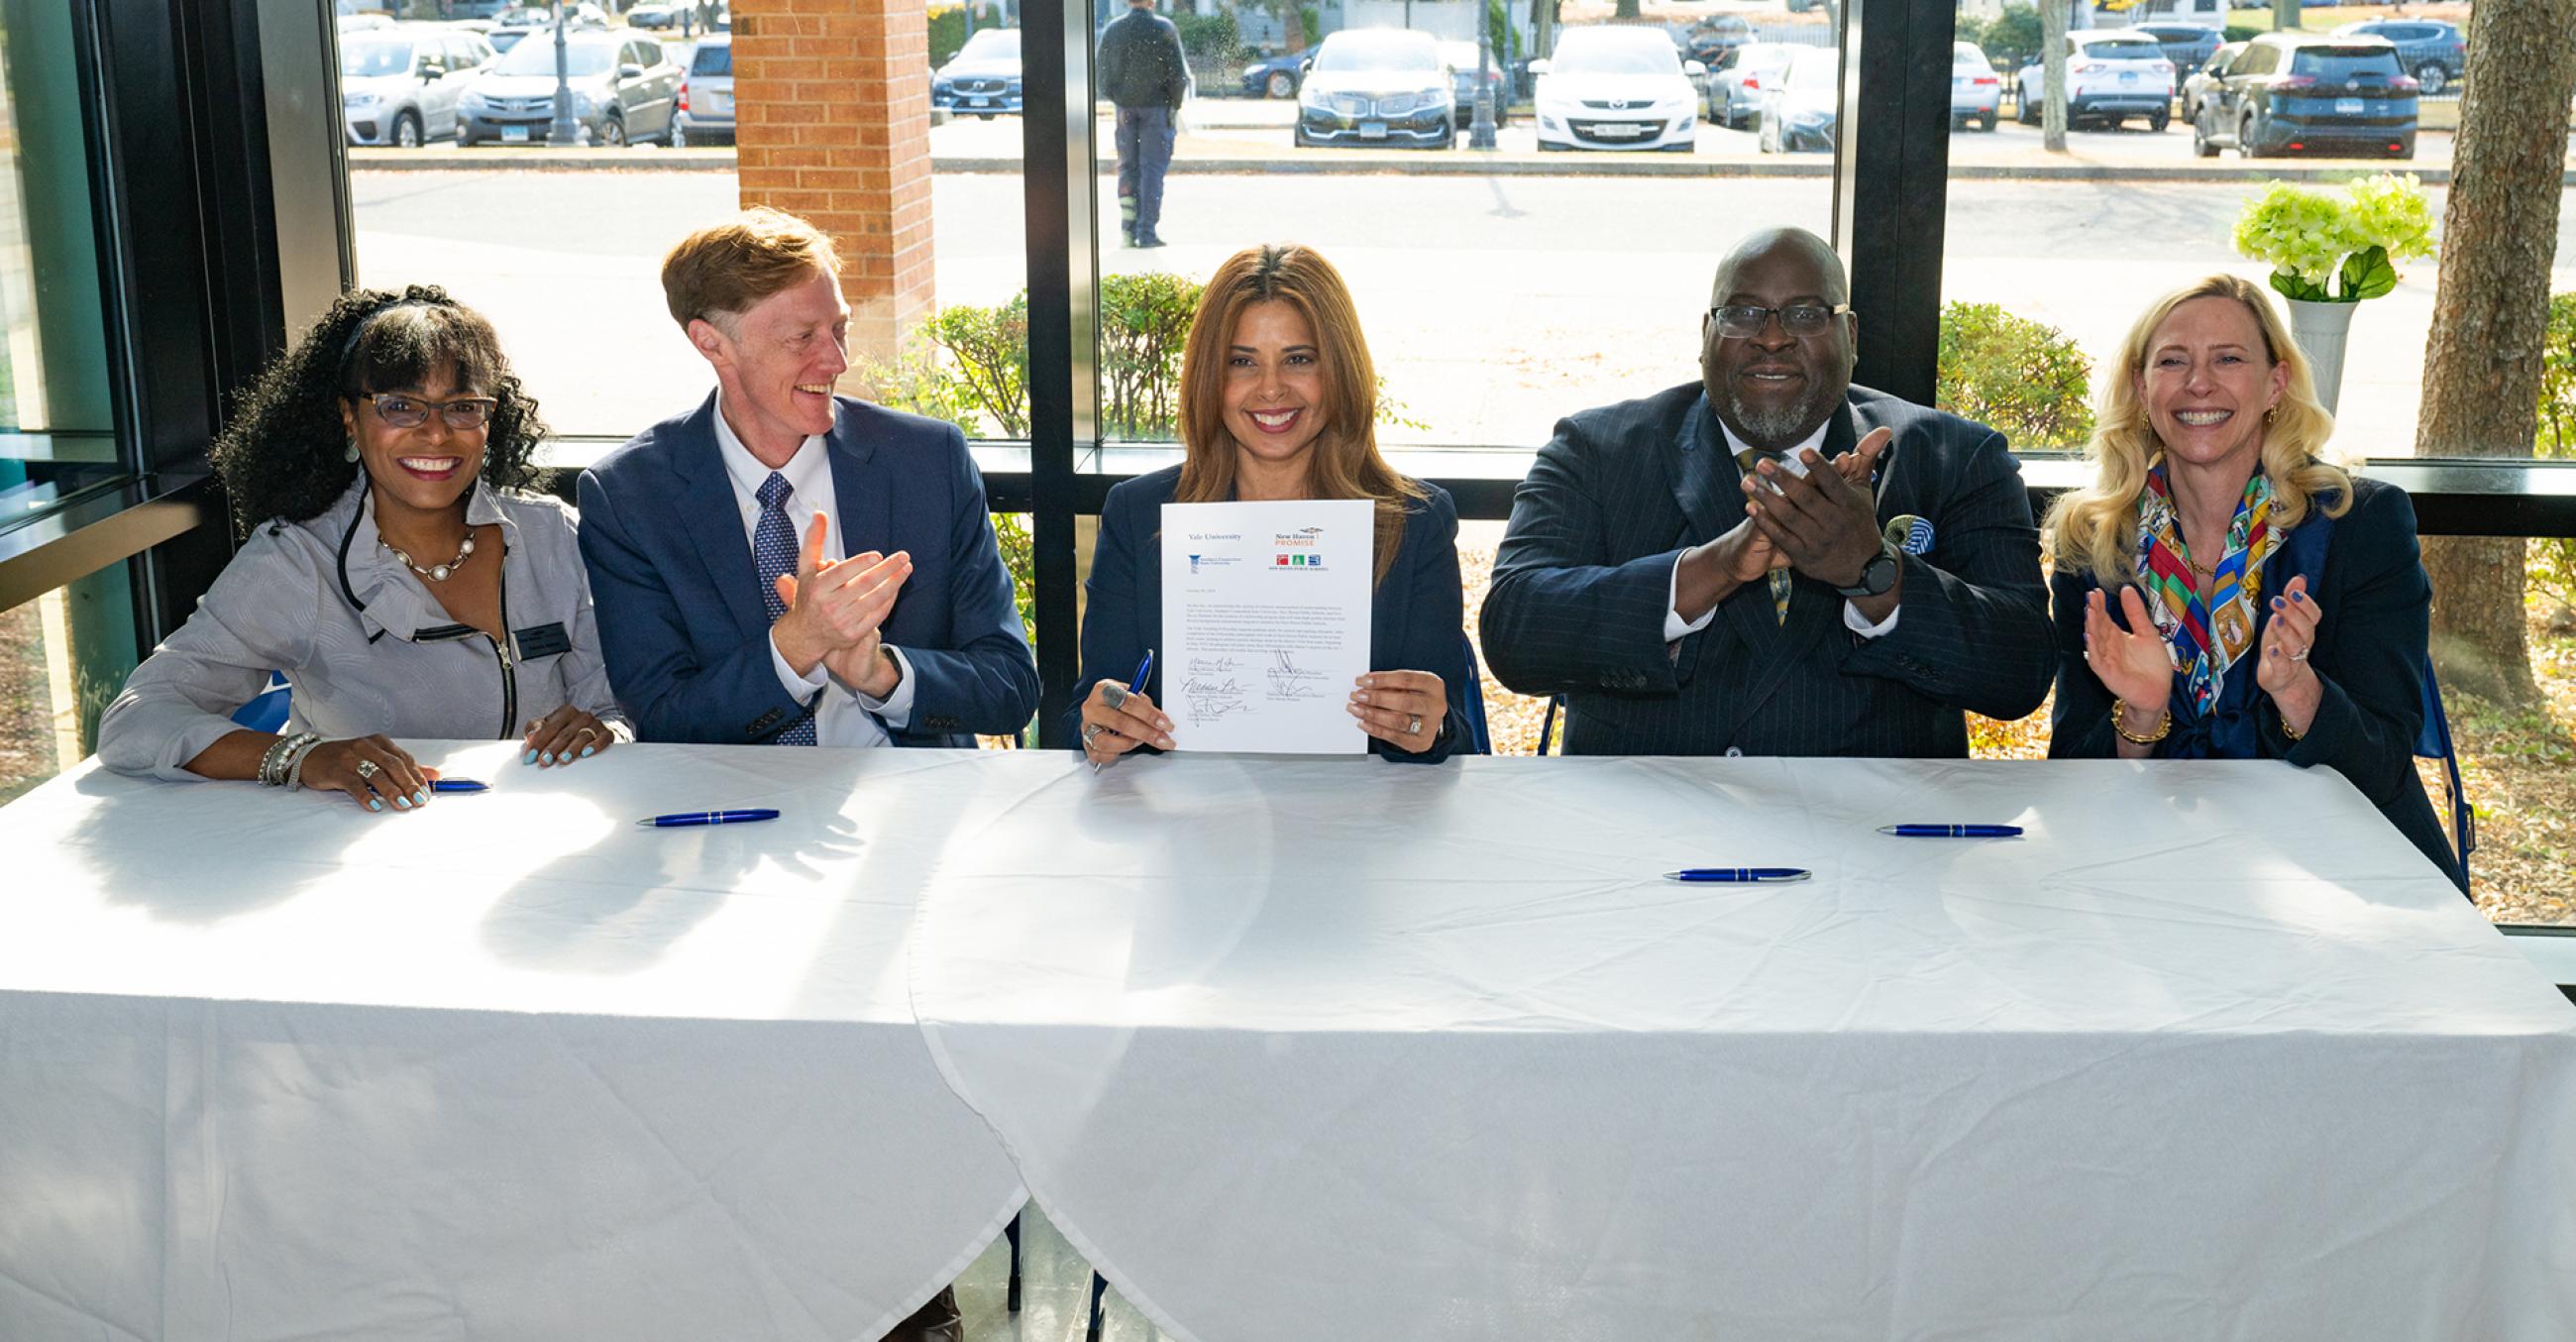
x: 368, y: 769
x: 1413, y: 726
x: 1089, y: 731
x: 2300, y: 656
x: 1111, y: 696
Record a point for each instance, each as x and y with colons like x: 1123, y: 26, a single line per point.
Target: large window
x: 2180, y: 128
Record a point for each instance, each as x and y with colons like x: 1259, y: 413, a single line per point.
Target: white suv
x: 1616, y: 88
x: 2111, y: 74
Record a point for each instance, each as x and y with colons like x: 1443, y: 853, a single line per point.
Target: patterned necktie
x: 1779, y: 576
x: 773, y: 552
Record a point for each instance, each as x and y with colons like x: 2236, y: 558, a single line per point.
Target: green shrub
x: 1209, y: 38
x: 2028, y: 380
x: 2551, y: 562
x: 2233, y: 33
x: 947, y: 33
x: 1144, y: 322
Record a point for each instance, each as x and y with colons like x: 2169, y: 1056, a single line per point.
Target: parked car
x: 1461, y: 58
x: 2187, y: 45
x: 2196, y: 89
x: 2112, y: 74
x: 1713, y: 37
x: 1611, y: 87
x: 1976, y: 91
x: 2299, y: 92
x: 1735, y: 84
x: 1802, y: 109
x: 656, y: 16
x: 476, y: 9
x: 401, y: 85
x: 983, y: 78
x: 1377, y: 86
x: 624, y: 89
x: 1278, y: 76
x: 706, y: 93
x: 2431, y: 51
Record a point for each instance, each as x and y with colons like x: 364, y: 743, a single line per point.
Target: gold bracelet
x: 2164, y: 724
x: 2288, y: 730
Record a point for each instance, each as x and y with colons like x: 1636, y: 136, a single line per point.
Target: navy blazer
x: 681, y: 621
x: 1416, y: 616
x: 2374, y: 611
x: 1583, y: 581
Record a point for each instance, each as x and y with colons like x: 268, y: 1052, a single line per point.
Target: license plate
x: 719, y: 102
x: 977, y: 102
x: 514, y: 135
x: 2128, y: 77
x: 1372, y: 130
x: 2347, y: 107
x: 1616, y: 130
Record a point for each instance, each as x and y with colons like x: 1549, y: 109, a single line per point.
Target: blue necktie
x: 773, y: 551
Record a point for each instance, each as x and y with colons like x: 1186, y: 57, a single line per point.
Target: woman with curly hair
x: 1279, y: 401
x: 396, y: 570
x: 2224, y: 592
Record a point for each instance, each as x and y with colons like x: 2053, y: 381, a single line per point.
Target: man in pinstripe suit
x: 1773, y: 561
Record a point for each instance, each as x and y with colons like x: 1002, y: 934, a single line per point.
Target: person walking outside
x: 1143, y: 72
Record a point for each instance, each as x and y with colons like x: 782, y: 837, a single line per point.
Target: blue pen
x: 1135, y: 685
x: 687, y: 818
x: 1952, y: 831
x: 457, y: 785
x: 1739, y: 875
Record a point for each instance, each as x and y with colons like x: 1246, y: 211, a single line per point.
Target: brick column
x: 832, y: 103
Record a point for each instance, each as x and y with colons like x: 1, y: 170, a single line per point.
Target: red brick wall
x: 832, y: 99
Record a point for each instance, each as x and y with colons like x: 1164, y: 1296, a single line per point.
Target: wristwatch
x: 1876, y: 576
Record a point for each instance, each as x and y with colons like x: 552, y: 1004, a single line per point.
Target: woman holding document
x: 1279, y: 401
x: 395, y: 571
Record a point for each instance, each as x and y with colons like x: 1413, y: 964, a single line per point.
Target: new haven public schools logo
x: 1292, y: 540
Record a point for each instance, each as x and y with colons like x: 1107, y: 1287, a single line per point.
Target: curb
x: 1365, y: 163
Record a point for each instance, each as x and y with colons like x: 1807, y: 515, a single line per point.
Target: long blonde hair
x: 2097, y: 526
x: 1345, y: 463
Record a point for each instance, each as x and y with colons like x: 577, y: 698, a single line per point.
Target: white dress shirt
x: 843, y: 716
x: 1675, y: 626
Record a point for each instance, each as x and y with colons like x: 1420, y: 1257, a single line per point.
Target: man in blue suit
x: 1772, y: 561
x: 784, y: 565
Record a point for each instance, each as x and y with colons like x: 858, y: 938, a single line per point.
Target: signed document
x: 1266, y: 623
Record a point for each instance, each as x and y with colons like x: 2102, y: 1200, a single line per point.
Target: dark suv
x: 2301, y: 92
x: 2188, y: 45
x: 2428, y: 50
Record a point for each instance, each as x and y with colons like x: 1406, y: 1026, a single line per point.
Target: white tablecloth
x: 273, y: 1068
x: 1337, y: 1049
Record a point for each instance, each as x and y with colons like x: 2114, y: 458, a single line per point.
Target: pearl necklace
x: 435, y: 572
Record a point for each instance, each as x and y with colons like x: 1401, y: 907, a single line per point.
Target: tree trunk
x: 2285, y: 15
x: 1626, y: 12
x: 2052, y: 76
x: 2482, y: 359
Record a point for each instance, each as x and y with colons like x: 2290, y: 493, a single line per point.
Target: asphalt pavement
x: 1493, y: 304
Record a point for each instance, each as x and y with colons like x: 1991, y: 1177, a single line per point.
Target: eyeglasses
x: 410, y: 412
x: 1743, y: 321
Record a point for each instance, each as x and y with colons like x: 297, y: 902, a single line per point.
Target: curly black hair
x: 283, y: 454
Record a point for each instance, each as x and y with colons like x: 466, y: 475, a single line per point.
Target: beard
x: 1774, y: 429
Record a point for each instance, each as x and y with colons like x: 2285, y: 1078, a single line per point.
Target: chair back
x: 267, y: 710
x: 2433, y: 742
x: 1472, y: 704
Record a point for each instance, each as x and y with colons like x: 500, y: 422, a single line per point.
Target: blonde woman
x: 2224, y: 592
x: 1278, y: 401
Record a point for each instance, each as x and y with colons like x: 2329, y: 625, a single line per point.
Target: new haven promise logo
x: 1293, y: 545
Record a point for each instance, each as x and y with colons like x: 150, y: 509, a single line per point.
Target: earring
x: 351, y: 452
x: 2270, y: 413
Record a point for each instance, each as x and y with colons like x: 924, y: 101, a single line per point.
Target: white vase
x: 2320, y: 329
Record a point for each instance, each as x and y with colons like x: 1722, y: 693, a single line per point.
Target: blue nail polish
x: 2298, y: 596
x: 531, y: 759
x: 2276, y: 603
x: 402, y: 803
x: 586, y: 751
x: 553, y: 759
x: 375, y: 803
x: 420, y: 798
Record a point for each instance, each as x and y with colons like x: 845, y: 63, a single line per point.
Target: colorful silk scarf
x: 2205, y: 637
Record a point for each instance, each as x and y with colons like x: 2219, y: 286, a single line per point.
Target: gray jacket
x: 365, y: 646
x: 1140, y: 63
